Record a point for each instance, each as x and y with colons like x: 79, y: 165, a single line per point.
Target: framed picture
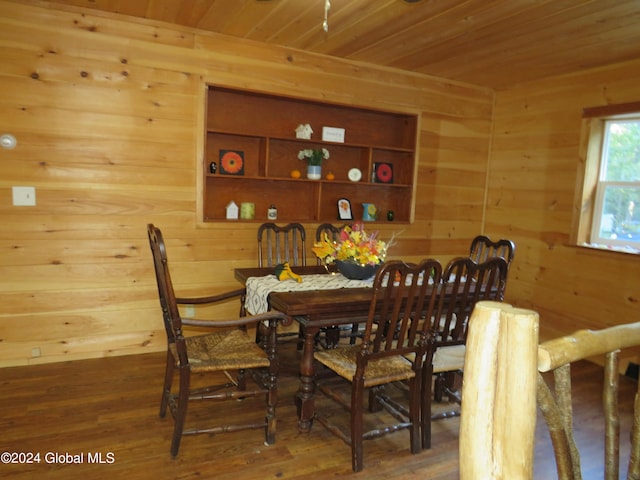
x: 344, y: 209
x: 231, y: 162
x: 383, y: 172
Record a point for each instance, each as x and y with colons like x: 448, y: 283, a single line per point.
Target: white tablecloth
x: 259, y: 288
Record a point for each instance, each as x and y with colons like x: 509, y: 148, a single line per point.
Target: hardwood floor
x: 109, y: 408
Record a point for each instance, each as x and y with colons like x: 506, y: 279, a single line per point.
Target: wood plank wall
x: 108, y: 117
x: 534, y: 160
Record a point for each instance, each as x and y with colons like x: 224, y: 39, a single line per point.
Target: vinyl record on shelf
x: 383, y: 172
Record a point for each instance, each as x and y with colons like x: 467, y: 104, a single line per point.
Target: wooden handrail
x: 586, y: 343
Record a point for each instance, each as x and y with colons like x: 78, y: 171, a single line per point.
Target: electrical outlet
x: 189, y: 311
x: 24, y: 196
x: 35, y: 352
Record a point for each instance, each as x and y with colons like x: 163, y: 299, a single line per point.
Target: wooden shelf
x: 262, y: 127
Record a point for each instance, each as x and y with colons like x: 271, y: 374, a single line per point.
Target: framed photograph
x: 383, y: 172
x: 231, y: 162
x: 344, y: 209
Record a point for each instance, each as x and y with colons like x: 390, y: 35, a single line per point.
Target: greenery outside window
x: 609, y: 200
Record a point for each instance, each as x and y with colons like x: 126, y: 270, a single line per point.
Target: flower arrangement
x: 353, y: 245
x: 314, y: 156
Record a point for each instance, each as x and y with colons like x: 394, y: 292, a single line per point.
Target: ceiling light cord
x: 325, y: 24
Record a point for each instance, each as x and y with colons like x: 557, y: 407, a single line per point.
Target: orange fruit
x: 331, y: 176
x: 295, y: 174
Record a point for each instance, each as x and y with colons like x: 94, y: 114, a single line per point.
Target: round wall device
x: 8, y: 141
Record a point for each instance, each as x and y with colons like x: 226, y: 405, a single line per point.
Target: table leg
x: 304, y: 398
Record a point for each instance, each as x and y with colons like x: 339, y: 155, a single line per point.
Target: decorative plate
x: 355, y: 175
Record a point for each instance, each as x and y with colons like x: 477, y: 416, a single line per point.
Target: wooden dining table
x: 313, y: 310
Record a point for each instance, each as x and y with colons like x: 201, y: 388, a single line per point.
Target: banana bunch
x: 283, y: 272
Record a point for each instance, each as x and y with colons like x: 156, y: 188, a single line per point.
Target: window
x: 610, y: 202
x: 617, y: 218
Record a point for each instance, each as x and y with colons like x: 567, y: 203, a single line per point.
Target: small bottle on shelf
x: 272, y: 213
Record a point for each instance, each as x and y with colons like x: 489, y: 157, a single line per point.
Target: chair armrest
x: 212, y: 298
x: 239, y: 322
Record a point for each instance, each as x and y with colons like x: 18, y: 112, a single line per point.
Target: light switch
x: 24, y: 196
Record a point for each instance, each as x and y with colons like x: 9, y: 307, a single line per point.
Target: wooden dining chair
x: 227, y: 348
x: 279, y: 244
x: 509, y: 373
x: 464, y: 284
x: 483, y: 248
x: 392, y: 350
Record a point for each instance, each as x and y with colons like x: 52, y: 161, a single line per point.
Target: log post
x: 498, y: 413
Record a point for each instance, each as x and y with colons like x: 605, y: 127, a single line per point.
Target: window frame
x: 589, y: 188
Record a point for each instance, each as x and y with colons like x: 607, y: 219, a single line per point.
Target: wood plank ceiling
x: 493, y: 43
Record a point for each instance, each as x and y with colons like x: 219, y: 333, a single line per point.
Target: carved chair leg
x: 241, y: 380
x: 181, y: 410
x: 440, y: 383
x: 425, y: 410
x: 272, y: 400
x: 166, y: 388
x: 261, y: 335
x: 357, y: 429
x: 414, y: 413
x: 272, y: 382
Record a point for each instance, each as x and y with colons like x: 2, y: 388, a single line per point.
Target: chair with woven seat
x: 227, y: 349
x: 392, y: 350
x: 464, y: 284
x: 483, y: 248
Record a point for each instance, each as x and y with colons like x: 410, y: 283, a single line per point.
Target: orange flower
x: 232, y: 162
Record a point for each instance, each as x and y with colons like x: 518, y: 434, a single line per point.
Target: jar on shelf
x: 272, y: 213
